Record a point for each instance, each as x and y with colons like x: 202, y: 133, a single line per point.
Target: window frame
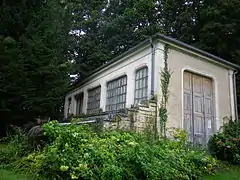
x: 95, y: 99
x: 69, y: 105
x: 79, y: 103
x: 140, y: 87
x: 116, y: 95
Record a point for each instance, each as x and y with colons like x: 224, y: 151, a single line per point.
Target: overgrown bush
x: 17, y: 146
x: 76, y: 152
x: 225, y: 145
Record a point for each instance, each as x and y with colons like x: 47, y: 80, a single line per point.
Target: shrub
x: 225, y: 145
x: 76, y: 152
x: 17, y: 147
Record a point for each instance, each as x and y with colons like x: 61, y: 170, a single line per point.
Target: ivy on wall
x: 165, y: 80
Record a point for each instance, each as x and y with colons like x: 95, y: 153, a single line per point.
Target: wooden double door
x: 198, y: 107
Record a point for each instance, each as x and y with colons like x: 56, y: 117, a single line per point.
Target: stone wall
x: 142, y: 118
x: 139, y: 119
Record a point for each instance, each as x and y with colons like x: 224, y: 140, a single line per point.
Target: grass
x: 7, y: 175
x: 10, y: 175
x: 2, y: 145
x: 232, y: 174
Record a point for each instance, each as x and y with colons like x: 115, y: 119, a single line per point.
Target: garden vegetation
x: 225, y: 145
x: 78, y: 152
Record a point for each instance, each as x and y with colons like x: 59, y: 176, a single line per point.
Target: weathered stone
x: 137, y: 119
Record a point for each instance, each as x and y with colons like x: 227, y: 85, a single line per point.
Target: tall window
x: 116, y: 94
x: 79, y: 103
x: 69, y: 106
x: 141, y: 85
x: 94, y: 100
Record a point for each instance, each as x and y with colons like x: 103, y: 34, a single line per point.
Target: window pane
x: 138, y: 91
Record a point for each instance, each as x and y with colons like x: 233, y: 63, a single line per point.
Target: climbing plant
x: 165, y: 80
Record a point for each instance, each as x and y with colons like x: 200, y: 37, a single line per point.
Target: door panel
x: 207, y: 87
x: 198, y: 107
x: 187, y: 81
x: 208, y: 107
x: 198, y: 129
x: 198, y: 104
x: 198, y: 111
x: 188, y: 105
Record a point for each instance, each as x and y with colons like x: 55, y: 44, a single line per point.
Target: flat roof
x: 167, y: 40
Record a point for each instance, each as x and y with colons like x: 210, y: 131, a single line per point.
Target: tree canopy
x: 34, y: 66
x: 109, y: 28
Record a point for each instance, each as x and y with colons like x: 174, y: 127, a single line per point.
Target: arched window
x: 141, y: 86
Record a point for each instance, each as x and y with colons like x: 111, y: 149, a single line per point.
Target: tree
x: 108, y: 28
x: 88, y: 50
x: 218, y: 28
x: 34, y: 65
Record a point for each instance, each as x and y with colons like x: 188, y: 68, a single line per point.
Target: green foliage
x: 165, y: 80
x: 179, y: 134
x: 225, y: 145
x: 76, y: 152
x: 108, y: 28
x: 34, y: 66
x: 17, y: 146
x: 220, y: 19
x: 88, y: 50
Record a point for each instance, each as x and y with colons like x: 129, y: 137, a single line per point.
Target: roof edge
x: 197, y: 50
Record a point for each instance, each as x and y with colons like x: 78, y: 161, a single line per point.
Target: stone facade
x: 138, y: 119
x: 144, y: 118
